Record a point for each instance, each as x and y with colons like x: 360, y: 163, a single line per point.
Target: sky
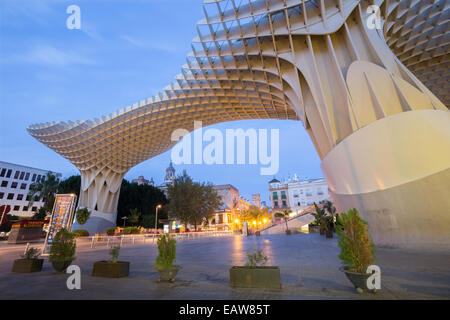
x: 125, y: 51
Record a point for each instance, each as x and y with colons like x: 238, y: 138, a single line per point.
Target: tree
x: 83, y: 215
x: 192, y: 202
x: 254, y: 213
x: 70, y: 185
x: 45, y: 189
x: 144, y: 198
x: 135, y: 216
x: 40, y: 214
x: 285, y: 215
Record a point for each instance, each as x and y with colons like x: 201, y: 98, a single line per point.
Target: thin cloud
x: 150, y: 44
x: 51, y: 56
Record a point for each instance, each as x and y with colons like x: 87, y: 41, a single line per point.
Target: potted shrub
x: 255, y: 274
x: 111, y: 268
x: 357, y: 249
x: 319, y: 216
x: 285, y: 215
x: 80, y: 233
x: 111, y: 231
x: 62, y: 250
x: 29, y: 262
x: 164, y: 261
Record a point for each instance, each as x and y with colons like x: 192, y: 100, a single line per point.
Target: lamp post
x: 156, y: 218
x: 124, y: 219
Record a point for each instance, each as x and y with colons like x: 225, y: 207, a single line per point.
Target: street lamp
x: 124, y: 219
x: 156, y: 218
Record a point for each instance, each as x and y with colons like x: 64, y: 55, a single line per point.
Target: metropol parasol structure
x: 371, y: 93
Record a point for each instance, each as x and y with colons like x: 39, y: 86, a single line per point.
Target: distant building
x: 256, y: 199
x: 231, y: 208
x: 168, y: 179
x: 15, y: 181
x: 295, y: 194
x: 142, y: 181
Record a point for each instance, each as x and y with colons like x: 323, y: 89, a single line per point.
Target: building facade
x: 295, y: 194
x: 232, y: 206
x: 15, y: 181
x: 256, y: 200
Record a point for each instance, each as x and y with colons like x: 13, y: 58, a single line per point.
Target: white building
x: 142, y: 181
x: 15, y: 181
x: 256, y: 200
x: 295, y: 194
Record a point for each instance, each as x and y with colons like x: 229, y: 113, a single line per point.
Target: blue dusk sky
x: 125, y: 51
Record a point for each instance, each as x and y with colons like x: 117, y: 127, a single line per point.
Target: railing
x: 110, y: 241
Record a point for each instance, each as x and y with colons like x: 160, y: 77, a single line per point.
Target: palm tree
x: 46, y: 189
x: 285, y: 215
x: 319, y: 215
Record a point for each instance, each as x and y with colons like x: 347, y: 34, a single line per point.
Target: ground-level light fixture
x: 237, y: 220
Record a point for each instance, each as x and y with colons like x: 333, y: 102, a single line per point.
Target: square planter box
x: 111, y: 270
x: 257, y: 277
x: 27, y: 265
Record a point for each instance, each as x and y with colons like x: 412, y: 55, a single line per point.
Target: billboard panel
x: 62, y: 217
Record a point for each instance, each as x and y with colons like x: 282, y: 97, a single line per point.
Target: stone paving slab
x: 308, y: 263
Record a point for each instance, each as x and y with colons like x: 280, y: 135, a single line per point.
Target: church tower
x: 170, y: 174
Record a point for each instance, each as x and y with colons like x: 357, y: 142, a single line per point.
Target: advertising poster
x: 62, y: 217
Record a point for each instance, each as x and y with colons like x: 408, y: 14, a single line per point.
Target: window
x: 27, y: 176
x: 8, y: 174
x: 19, y: 197
x: 220, y: 218
x: 25, y: 208
x: 16, y: 175
x: 1, y: 195
x: 36, y: 198
x: 2, y: 174
x: 33, y: 209
x: 275, y: 195
x: 22, y: 175
x: 275, y: 204
x: 228, y: 218
x: 23, y: 186
x: 14, y: 185
x: 16, y: 208
x: 283, y: 194
x: 34, y: 177
x: 284, y: 203
x: 28, y: 197
x: 10, y: 196
x: 38, y: 178
x: 4, y: 183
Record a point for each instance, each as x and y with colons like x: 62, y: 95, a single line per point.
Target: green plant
x: 114, y: 254
x: 80, y: 233
x: 41, y: 214
x: 320, y: 218
x: 31, y: 254
x: 357, y: 249
x: 110, y: 231
x: 63, y: 247
x: 285, y: 215
x: 83, y: 215
x: 167, y: 252
x: 131, y: 230
x: 256, y: 258
x: 135, y: 216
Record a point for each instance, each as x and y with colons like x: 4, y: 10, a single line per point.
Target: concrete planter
x: 61, y: 266
x: 255, y: 277
x: 313, y: 229
x: 27, y: 265
x: 257, y: 233
x: 288, y: 232
x: 359, y: 280
x: 168, y: 275
x: 109, y: 269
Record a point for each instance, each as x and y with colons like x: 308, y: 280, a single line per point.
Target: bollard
x: 133, y: 239
x: 121, y: 241
x: 92, y: 243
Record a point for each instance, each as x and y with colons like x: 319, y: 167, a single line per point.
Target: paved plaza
x: 308, y: 262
